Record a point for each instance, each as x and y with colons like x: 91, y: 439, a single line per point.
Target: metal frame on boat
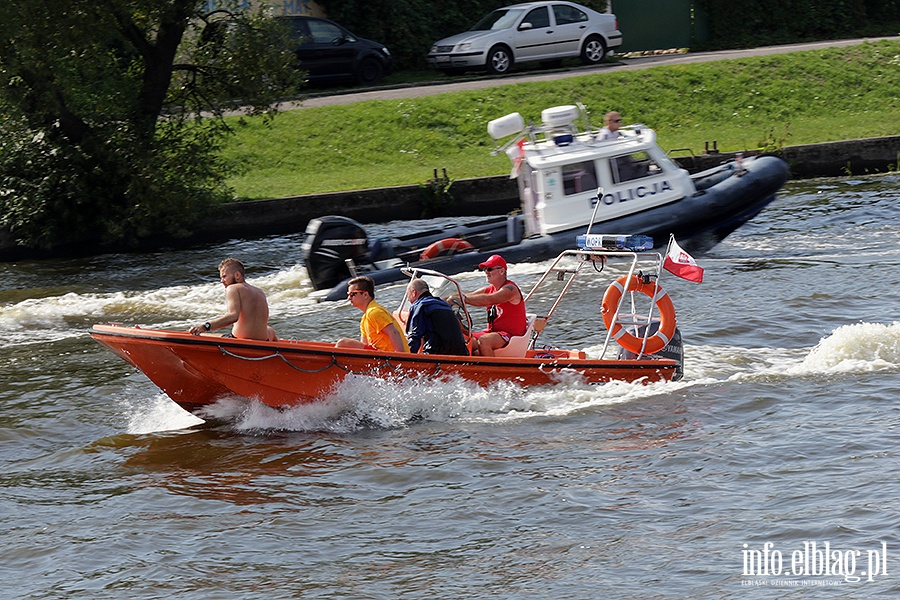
x: 196, y: 371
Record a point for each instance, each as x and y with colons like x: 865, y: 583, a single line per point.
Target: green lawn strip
x: 750, y: 103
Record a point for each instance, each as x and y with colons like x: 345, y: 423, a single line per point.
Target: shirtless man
x: 245, y: 306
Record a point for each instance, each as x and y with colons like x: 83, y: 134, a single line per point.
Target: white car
x: 534, y: 31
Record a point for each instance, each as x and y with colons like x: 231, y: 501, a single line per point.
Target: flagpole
x: 669, y: 244
x: 668, y: 249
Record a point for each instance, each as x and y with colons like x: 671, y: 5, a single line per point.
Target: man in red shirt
x: 506, y: 308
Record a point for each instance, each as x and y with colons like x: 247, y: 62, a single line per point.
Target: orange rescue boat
x: 196, y: 371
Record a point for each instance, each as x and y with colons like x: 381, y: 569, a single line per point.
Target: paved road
x: 628, y: 64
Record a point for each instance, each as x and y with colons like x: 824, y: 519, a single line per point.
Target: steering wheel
x: 460, y: 313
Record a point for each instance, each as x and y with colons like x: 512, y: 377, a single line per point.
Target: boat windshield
x: 441, y: 287
x: 498, y: 20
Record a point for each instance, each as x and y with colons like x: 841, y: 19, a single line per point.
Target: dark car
x: 330, y: 53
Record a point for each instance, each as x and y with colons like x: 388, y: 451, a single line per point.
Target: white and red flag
x: 681, y: 264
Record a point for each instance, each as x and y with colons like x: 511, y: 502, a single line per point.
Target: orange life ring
x: 445, y: 246
x: 613, y: 297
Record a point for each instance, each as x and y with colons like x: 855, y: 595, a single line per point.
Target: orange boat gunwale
x: 308, y: 371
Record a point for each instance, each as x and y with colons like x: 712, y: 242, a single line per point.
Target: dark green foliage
x: 437, y: 201
x: 111, y: 113
x: 761, y: 22
x: 109, y: 188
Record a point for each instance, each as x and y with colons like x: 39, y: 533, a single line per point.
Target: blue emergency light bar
x: 622, y: 243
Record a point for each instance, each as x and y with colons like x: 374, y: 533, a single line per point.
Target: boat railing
x: 568, y: 266
x: 560, y: 270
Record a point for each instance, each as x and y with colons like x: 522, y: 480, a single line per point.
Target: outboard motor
x: 329, y: 242
x: 674, y: 350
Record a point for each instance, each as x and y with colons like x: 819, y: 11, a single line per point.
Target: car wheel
x: 499, y: 60
x: 593, y: 51
x: 369, y: 72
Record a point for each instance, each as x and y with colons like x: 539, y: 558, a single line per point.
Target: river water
x: 771, y: 470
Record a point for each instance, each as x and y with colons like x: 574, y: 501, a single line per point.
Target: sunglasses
x: 351, y: 294
x: 489, y: 269
x: 616, y: 120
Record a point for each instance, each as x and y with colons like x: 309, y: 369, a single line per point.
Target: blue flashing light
x: 622, y: 243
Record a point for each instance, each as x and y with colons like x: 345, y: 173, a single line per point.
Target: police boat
x: 569, y: 178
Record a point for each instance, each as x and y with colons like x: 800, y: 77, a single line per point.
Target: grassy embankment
x: 751, y: 103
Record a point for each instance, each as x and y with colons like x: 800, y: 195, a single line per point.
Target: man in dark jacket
x: 432, y: 323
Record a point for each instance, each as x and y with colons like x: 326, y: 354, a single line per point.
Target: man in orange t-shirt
x: 378, y: 330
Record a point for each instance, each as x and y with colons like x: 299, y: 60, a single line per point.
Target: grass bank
x: 750, y: 103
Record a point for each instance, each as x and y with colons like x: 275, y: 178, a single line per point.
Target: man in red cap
x: 506, y: 308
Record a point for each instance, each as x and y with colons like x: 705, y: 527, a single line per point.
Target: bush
x: 107, y: 189
x: 764, y: 22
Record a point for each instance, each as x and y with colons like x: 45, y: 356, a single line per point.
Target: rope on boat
x: 334, y: 363
x: 279, y: 355
x: 372, y: 371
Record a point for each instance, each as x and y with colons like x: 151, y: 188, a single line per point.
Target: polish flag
x: 681, y: 264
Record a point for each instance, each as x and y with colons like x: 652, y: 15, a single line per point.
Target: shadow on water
x: 212, y: 462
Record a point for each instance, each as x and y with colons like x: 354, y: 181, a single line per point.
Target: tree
x: 112, y: 112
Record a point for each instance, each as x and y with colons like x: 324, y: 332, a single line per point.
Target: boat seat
x: 518, y: 345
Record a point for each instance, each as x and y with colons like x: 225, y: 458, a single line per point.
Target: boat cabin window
x: 633, y: 166
x: 579, y: 177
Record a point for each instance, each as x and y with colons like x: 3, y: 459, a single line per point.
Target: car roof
x: 537, y: 3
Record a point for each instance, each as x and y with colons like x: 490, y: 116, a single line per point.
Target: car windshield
x: 497, y: 20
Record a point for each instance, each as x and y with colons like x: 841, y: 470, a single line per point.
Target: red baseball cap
x: 494, y: 261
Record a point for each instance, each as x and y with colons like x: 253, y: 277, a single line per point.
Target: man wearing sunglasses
x: 611, y: 123
x: 378, y: 330
x: 506, y: 308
